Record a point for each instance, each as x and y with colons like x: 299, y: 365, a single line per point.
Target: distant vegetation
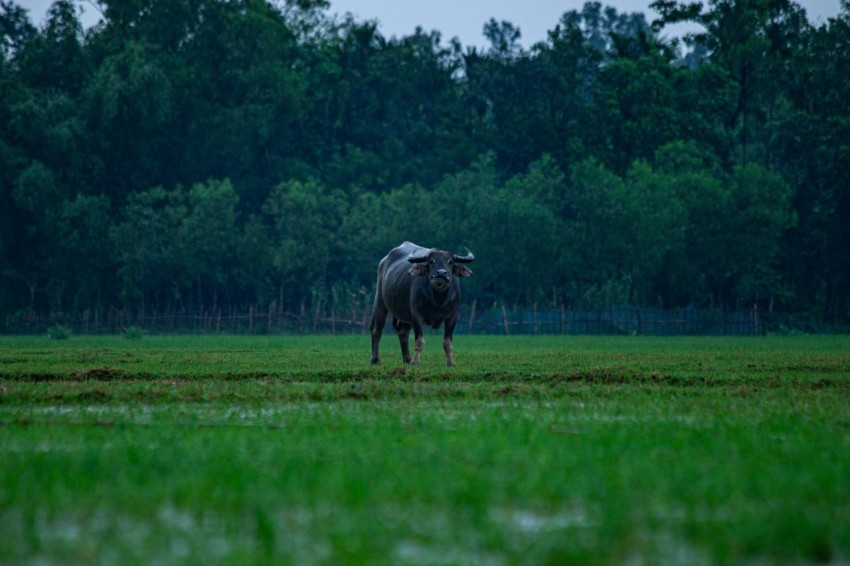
x: 194, y: 155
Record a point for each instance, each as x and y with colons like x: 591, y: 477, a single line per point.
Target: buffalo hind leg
x: 376, y: 326
x: 447, y: 340
x: 403, y: 330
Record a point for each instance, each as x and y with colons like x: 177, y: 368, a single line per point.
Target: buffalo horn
x: 417, y: 258
x: 465, y: 259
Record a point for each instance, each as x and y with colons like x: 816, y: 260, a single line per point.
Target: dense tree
x: 146, y: 244
x: 84, y: 263
x: 813, y: 154
x: 515, y: 227
x: 304, y: 217
x: 191, y: 155
x: 696, y: 273
x: 751, y: 40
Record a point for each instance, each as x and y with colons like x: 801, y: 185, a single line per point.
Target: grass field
x: 182, y: 450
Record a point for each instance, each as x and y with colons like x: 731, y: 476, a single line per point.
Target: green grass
x: 533, y: 450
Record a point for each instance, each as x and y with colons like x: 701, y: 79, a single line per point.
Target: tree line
x: 185, y: 155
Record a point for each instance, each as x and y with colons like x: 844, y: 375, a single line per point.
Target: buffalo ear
x: 419, y: 269
x: 462, y: 271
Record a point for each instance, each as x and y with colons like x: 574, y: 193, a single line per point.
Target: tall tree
x: 55, y: 58
x: 386, y: 108
x: 84, y: 261
x: 303, y: 216
x: 813, y: 154
x: 637, y: 110
x: 146, y: 247
x: 750, y: 40
x: 208, y: 240
x: 128, y: 105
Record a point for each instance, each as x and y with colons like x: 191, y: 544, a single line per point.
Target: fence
x: 472, y: 320
x: 613, y: 320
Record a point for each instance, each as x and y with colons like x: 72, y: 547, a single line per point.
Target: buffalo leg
x: 418, y: 342
x: 403, y: 330
x: 376, y: 326
x: 447, y: 340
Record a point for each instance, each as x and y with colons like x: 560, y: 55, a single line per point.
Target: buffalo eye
x: 432, y: 261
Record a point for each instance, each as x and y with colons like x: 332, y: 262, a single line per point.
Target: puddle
x: 529, y: 521
x: 413, y: 552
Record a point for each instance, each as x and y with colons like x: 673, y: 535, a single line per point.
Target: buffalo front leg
x: 404, y: 339
x: 418, y: 343
x: 447, y: 341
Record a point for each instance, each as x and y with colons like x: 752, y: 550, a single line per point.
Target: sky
x: 463, y: 19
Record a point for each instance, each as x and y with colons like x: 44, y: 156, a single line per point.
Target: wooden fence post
x: 563, y: 321
x: 755, y: 319
x: 270, y: 319
x: 471, y: 317
x: 639, y: 321
x: 535, y: 319
x: 505, y: 319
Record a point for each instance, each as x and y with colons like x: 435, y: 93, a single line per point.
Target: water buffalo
x: 418, y: 286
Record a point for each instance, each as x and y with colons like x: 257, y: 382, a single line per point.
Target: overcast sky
x: 461, y: 18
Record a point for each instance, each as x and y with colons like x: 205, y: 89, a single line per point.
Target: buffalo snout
x: 440, y: 280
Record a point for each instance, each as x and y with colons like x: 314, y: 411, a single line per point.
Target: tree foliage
x: 196, y: 154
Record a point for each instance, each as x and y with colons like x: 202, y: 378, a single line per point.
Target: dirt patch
x: 619, y: 376
x: 94, y: 396
x: 357, y: 392
x: 99, y: 374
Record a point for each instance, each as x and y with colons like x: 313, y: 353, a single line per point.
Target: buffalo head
x: 440, y: 267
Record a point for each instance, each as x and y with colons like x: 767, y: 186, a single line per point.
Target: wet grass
x: 532, y: 450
